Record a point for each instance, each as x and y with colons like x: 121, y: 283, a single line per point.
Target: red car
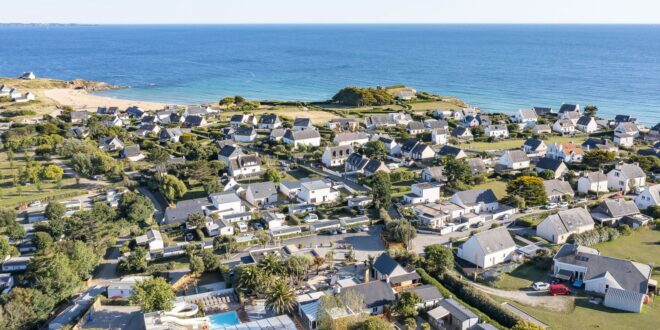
x: 21, y: 207
x: 560, y: 289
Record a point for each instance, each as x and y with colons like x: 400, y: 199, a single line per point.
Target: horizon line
x: 340, y: 23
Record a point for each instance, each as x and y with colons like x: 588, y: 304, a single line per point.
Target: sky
x: 331, y: 11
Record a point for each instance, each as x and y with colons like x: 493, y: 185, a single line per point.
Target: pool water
x: 225, y: 319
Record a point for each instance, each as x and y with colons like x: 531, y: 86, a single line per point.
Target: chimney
x: 366, y: 274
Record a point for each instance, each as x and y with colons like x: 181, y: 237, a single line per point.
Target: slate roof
x: 419, y: 148
x: 546, y: 163
x: 131, y: 151
x: 350, y: 136
x: 494, y: 240
x: 568, y: 108
x: 631, y: 276
x: 632, y: 171
x: 269, y: 119
x: 528, y: 114
x: 533, y: 143
x: 595, y: 176
x: 340, y: 151
x: 460, y: 131
x: 457, y: 310
x: 540, y: 128
x: 477, y: 164
x: 373, y: 165
x: 230, y: 151
x: 594, y: 143
x: 475, y: 196
x: 557, y: 187
x: 245, y: 131
x: 629, y: 127
x: 585, y: 120
x: 427, y: 292
x: 448, y: 150
x: 301, y: 135
x: 408, y: 145
x: 374, y: 293
x: 179, y: 213
x: 261, y: 190
x: 517, y: 156
x: 412, y: 276
x: 193, y: 120
x: 568, y: 221
x: 436, y: 172
x: 617, y: 208
x: 542, y: 110
x: 384, y: 264
x: 302, y: 122
x: 415, y: 125
x: 431, y: 124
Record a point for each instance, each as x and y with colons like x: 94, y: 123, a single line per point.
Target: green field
x: 498, y: 187
x: 642, y: 246
x: 514, y: 143
x: 520, y: 278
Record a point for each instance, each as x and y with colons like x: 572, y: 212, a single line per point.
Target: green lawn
x: 642, y: 246
x: 520, y: 278
x: 514, y: 143
x: 498, y: 187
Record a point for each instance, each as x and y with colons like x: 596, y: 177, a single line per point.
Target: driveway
x: 106, y: 271
x: 115, y: 317
x: 158, y: 204
x: 539, y: 299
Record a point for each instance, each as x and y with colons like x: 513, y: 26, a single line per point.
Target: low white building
x: 439, y: 135
x: 350, y: 138
x: 488, y: 248
x: 595, y: 182
x: 153, y: 240
x: 497, y: 131
x: 307, y: 137
x: 422, y: 193
x: 124, y: 287
x: 587, y: 124
x: 514, y: 160
x: 317, y: 192
x: 568, y: 152
x: 557, y: 228
x: 563, y: 126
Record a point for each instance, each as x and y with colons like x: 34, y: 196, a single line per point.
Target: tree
x: 439, y: 259
x: 249, y: 278
x: 598, y: 158
x: 375, y: 149
x: 647, y: 163
x: 52, y: 172
x: 5, y: 248
x: 82, y: 164
x: 153, y: 294
x: 55, y: 211
x: 24, y: 308
x: 239, y: 99
x: 227, y: 101
x: 401, y: 231
x: 83, y: 258
x: 318, y: 262
x: 355, y: 96
x: 196, y: 220
x: 196, y: 265
x: 42, y: 240
x: 374, y: 323
x: 405, y: 306
x: 159, y: 157
x: 272, y: 175
x: 381, y: 190
x: 212, y: 186
x: 211, y: 261
x: 134, y: 263
x: 547, y: 174
x: 50, y: 271
x: 281, y: 298
x: 456, y: 171
x: 173, y: 188
x: 7, y: 217
x: 271, y: 265
x: 590, y: 110
x: 530, y: 188
x: 298, y: 265
x: 526, y: 325
x: 135, y: 208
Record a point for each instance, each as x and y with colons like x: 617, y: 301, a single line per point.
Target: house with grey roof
x: 307, y: 137
x: 301, y: 124
x: 450, y: 314
x: 79, y: 116
x: 433, y: 174
x: 535, y: 147
x: 133, y: 153
x: 557, y: 228
x: 269, y: 121
x: 625, y: 177
x: 336, y: 155
x: 563, y: 126
x: 557, y: 189
x: 599, y: 144
x: 586, y: 124
x: 350, y: 138
x: 415, y: 127
x: 261, y: 193
x: 110, y: 143
x: 556, y: 166
x: 488, y: 248
x: 497, y: 131
x: 377, y: 295
x: 462, y: 134
x: 317, y: 192
x: 357, y: 163
x: 611, y: 211
x: 625, y: 284
x: 451, y: 151
x: 541, y: 129
x: 245, y: 134
x: 344, y: 124
x: 476, y: 200
x: 566, y: 107
x: 649, y: 197
x: 429, y: 294
x: 135, y: 112
x: 525, y: 116
x: 172, y: 134
x: 592, y: 182
x: 477, y: 165
x: 513, y: 160
x: 146, y: 129
x: 277, y: 134
x: 237, y: 121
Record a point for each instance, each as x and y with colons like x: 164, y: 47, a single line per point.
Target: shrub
x: 595, y: 236
x: 625, y: 230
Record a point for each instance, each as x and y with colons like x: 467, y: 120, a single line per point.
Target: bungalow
x: 541, y: 129
x: 452, y: 315
x: 308, y: 137
x: 497, y: 131
x: 261, y: 193
x: 269, y: 121
x: 415, y: 127
x: 567, y: 152
x: 611, y: 211
x: 113, y: 122
x: 653, y: 135
x: 592, y: 182
x: 514, y: 160
x: 430, y: 296
x: 526, y: 116
x: 484, y: 120
x: 488, y: 248
x: 422, y: 151
x: 624, y: 119
x: 439, y: 135
x: 27, y: 97
x: 624, y: 140
x: 433, y: 174
x: 14, y: 93
x: 535, y: 147
x: 317, y: 192
x: 133, y: 153
x: 469, y: 122
x: 477, y: 165
x: 166, y: 117
x: 225, y: 204
x: 245, y: 134
x: 476, y: 200
x: 153, y: 240
x: 351, y: 138
x: 377, y: 295
x: 385, y: 268
x: 557, y: 228
x: 171, y: 134
x: 79, y: 116
x: 573, y: 116
x: 451, y: 151
x: 462, y: 134
x: 110, y: 143
x: 555, y: 166
x: 196, y: 110
x: 237, y: 121
x: 244, y: 165
x: 625, y: 177
x: 194, y: 121
x: 628, y: 128
x: 569, y: 108
x: 359, y: 201
x: 218, y: 227
x: 4, y: 90
x: 422, y: 193
x: 277, y: 134
x: 27, y: 76
x: 107, y: 111
x: 405, y: 94
x: 337, y: 155
x: 542, y: 111
x: 626, y: 285
x: 135, y: 112
x: 146, y: 129
x: 598, y: 144
x: 301, y: 124
x: 586, y: 124
x: 344, y: 124
x: 437, y: 215
x: 432, y: 124
x: 649, y: 197
x: 557, y: 189
x: 80, y: 132
x: 563, y: 126
x: 442, y: 113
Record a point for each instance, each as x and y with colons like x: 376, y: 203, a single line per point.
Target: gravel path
x: 532, y: 298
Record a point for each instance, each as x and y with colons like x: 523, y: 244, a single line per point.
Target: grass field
x: 514, y: 143
x: 13, y: 195
x: 498, y: 187
x: 642, y: 246
x: 449, y: 103
x: 520, y: 278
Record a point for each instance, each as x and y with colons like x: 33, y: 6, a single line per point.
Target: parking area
x: 364, y: 243
x: 115, y: 317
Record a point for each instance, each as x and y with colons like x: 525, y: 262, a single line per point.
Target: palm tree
x: 281, y: 298
x: 318, y: 262
x: 249, y: 278
x: 270, y: 265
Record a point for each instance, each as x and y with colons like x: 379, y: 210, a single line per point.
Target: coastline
x: 83, y: 100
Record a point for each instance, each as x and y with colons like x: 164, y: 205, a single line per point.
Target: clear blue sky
x: 331, y: 11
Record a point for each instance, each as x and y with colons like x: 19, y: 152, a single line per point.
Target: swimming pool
x: 225, y: 319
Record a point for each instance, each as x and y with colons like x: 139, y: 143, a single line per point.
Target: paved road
x: 158, y: 205
x: 115, y: 317
x: 355, y: 186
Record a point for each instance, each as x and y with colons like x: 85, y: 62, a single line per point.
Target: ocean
x: 498, y: 68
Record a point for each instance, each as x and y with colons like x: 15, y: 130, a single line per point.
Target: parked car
x: 34, y: 203
x: 551, y: 206
x: 257, y: 226
x: 364, y: 228
x: 21, y: 207
x: 342, y: 230
x: 540, y: 286
x: 312, y: 217
x: 559, y: 289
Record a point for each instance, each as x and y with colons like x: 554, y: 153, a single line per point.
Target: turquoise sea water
x: 496, y: 67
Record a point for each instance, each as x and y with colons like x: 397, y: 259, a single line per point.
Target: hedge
x: 479, y: 300
x: 428, y: 279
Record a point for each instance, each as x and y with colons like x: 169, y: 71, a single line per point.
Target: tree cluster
x: 360, y: 97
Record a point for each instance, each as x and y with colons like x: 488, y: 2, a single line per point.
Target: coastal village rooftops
x: 302, y: 135
x: 631, y: 171
x: 350, y: 137
x: 494, y: 240
x: 567, y: 221
x: 427, y: 292
x: 517, y: 156
x: 269, y: 119
x: 549, y: 164
x: 385, y: 265
x: 456, y: 309
x: 569, y: 108
x: 262, y: 190
x: 476, y: 196
x: 542, y: 111
x: 616, y: 208
x: 557, y: 187
x: 448, y: 150
x: 374, y: 293
x: 533, y: 143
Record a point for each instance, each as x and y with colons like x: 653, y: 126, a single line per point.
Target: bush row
x: 595, y: 236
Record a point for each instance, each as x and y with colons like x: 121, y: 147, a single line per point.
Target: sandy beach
x: 81, y: 99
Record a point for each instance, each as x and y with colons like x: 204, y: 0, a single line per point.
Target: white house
x: 450, y: 314
x: 218, y: 227
x: 110, y: 143
x: 535, y: 147
x: 567, y: 152
x: 337, y: 155
x: 245, y: 134
x: 308, y: 137
x: 350, y: 138
x: 629, y: 128
x: 317, y: 192
x: 27, y: 97
x: 649, y: 197
x: 439, y: 135
x: 526, y: 116
x: 514, y: 160
x: 625, y: 176
x: 555, y: 166
x: 587, y: 124
x: 594, y: 182
x: 624, y: 140
x: 423, y: 193
x: 269, y: 121
x: 563, y: 126
x: 301, y: 124
x: 237, y: 121
x: 488, y: 248
x: 153, y: 240
x: 557, y: 189
x: 497, y: 131
x: 244, y: 165
x: 133, y: 153
x: 557, y: 228
x: 476, y: 200
x: 124, y: 287
x: 261, y: 193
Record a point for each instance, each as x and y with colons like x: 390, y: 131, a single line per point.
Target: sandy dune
x: 80, y: 99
